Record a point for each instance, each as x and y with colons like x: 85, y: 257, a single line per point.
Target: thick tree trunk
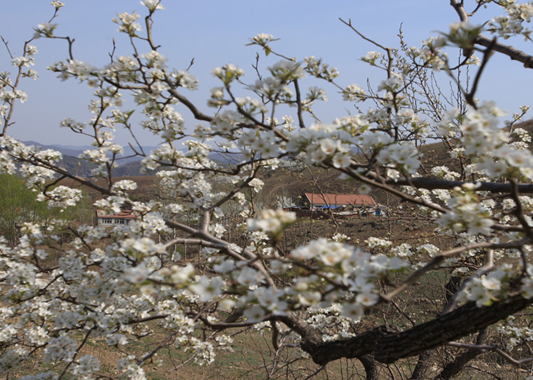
x: 357, y: 347
x: 387, y: 347
x: 445, y: 328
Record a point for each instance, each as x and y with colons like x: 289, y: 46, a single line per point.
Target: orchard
x: 320, y: 302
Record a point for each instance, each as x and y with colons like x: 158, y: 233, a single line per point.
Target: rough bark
x: 422, y: 366
x: 370, y: 367
x: 388, y: 347
x: 452, y: 326
x: 432, y: 184
x: 325, y: 352
x: 459, y: 363
x: 356, y: 347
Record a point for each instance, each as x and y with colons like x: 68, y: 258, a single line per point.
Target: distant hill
x: 284, y: 184
x: 75, y: 151
x: 433, y: 155
x: 79, y: 167
x: 128, y: 166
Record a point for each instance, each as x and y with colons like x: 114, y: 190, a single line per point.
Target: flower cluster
x: 430, y: 53
x: 512, y: 23
x: 467, y: 212
x: 403, y: 155
x: 323, y: 142
x: 487, y: 289
x: 228, y: 73
x: 153, y: 5
x: 57, y: 4
x: 127, y: 23
x: 262, y: 39
x: 286, y: 71
x: 61, y: 196
x: 262, y: 142
x: 272, y: 222
x: 45, y: 29
x: 357, y: 270
x: 154, y: 60
x: 371, y: 57
x: 318, y: 69
x: 462, y: 34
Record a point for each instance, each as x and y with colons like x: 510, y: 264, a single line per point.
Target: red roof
x: 340, y: 199
x: 124, y: 214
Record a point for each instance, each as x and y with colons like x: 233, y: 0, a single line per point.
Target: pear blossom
x: 152, y: 5
x: 208, y: 288
x: 138, y: 279
x: 352, y: 310
x: 254, y: 314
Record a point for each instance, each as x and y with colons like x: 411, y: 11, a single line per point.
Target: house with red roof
x: 335, y: 201
x: 123, y: 217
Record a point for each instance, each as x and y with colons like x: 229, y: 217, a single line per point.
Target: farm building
x: 336, y: 201
x: 123, y: 217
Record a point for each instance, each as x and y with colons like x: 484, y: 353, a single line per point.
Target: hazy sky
x: 214, y: 32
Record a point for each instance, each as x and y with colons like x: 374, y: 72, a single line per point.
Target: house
x: 123, y: 217
x: 337, y: 201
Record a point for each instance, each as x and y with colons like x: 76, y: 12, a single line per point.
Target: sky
x: 214, y: 33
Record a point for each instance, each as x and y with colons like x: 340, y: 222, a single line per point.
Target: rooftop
x: 124, y: 214
x: 341, y: 199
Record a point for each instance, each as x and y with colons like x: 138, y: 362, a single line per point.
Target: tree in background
x: 19, y: 205
x: 321, y: 300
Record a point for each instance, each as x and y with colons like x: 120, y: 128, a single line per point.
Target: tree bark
x: 459, y: 363
x: 370, y: 367
x: 350, y: 348
x: 421, y: 366
x: 432, y: 184
x: 388, y: 347
x: 452, y: 326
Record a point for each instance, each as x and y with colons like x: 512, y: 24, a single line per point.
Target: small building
x: 378, y: 211
x: 123, y: 217
x: 339, y: 201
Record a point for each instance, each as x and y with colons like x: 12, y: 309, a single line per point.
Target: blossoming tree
x: 313, y: 298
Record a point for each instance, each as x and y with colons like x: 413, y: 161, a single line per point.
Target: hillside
x: 145, y: 191
x: 279, y: 182
x: 79, y: 167
x: 76, y: 150
x: 129, y: 163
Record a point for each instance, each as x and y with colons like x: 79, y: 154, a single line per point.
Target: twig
x: 486, y: 55
x: 495, y: 349
x: 349, y: 23
x: 438, y: 259
x: 487, y: 267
